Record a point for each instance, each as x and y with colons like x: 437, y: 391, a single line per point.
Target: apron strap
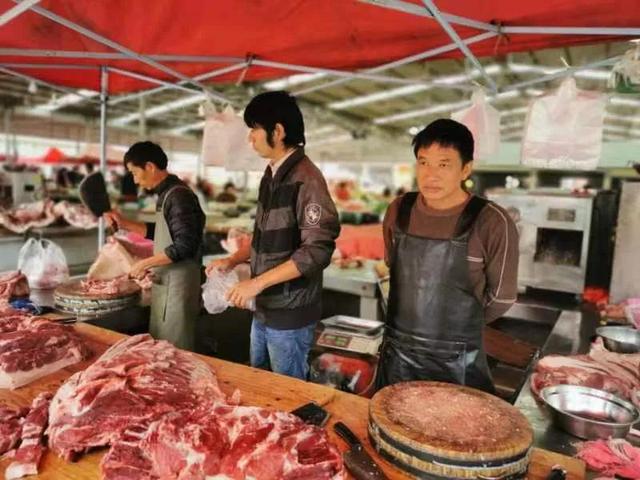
x: 404, y: 211
x: 171, y: 190
x: 469, y: 215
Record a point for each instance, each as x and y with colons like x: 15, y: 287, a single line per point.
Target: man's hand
x: 114, y: 219
x: 240, y: 294
x: 222, y: 264
x: 139, y: 269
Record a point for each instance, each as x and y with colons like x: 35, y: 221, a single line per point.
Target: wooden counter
x: 257, y: 387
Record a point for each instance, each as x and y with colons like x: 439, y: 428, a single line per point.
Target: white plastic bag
x: 563, y: 130
x: 215, y: 289
x: 484, y: 122
x: 225, y: 142
x: 44, y: 263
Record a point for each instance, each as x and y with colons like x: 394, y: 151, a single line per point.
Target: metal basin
x: 589, y: 413
x: 620, y: 339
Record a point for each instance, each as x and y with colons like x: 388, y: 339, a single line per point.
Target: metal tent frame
x: 194, y: 85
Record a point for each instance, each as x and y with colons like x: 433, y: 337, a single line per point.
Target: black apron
x: 435, y: 322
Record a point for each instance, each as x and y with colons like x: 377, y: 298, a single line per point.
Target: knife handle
x: 346, y: 434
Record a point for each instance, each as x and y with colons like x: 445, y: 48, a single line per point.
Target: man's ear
x: 467, y: 169
x: 279, y: 133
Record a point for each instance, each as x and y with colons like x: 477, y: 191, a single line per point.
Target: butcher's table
x: 257, y: 387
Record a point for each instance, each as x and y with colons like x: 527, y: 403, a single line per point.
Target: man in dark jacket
x: 177, y: 241
x: 293, y: 239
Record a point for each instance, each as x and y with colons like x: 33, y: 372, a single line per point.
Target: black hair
x: 269, y: 108
x: 142, y: 152
x: 446, y: 133
x: 229, y: 185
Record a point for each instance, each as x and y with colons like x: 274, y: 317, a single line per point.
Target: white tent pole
x: 563, y: 73
x: 414, y: 9
x: 13, y: 12
x: 403, y: 61
x: 34, y: 52
x: 204, y: 76
x: 124, y: 50
x: 146, y: 78
x: 104, y: 94
x: 29, y: 78
x: 49, y: 66
x: 433, y: 9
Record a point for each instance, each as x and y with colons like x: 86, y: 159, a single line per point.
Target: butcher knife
x: 357, y: 460
x: 93, y: 193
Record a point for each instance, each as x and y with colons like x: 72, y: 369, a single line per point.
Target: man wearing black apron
x: 453, y: 260
x: 177, y: 240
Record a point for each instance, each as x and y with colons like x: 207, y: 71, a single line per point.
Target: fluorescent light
x: 347, y: 137
x: 446, y: 107
x: 379, y: 96
x: 321, y: 131
x: 534, y: 92
x: 514, y: 111
x: 632, y: 102
x: 290, y: 81
x: 512, y: 126
x: 622, y: 118
x: 412, y: 89
x: 185, y: 128
x: 414, y: 130
x: 587, y: 73
x: 160, y: 109
x: 63, y: 101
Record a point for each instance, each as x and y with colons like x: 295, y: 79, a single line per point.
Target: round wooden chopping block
x: 439, y: 430
x: 71, y: 297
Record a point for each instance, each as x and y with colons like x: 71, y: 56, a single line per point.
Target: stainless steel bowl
x: 620, y: 339
x: 589, y: 413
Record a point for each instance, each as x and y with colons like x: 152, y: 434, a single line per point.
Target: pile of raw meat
x: 32, y: 347
x: 164, y: 416
x: 28, y: 215
x: 615, y: 458
x: 109, y: 274
x: 616, y: 373
x: 21, y: 436
x: 75, y: 214
x: 13, y: 284
x: 43, y: 213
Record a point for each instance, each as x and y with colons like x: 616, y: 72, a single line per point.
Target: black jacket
x: 184, y: 217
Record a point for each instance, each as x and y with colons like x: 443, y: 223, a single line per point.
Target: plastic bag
x: 43, y: 263
x: 236, y: 238
x: 625, y: 75
x: 225, y: 142
x: 484, y: 122
x: 215, y: 289
x: 563, y: 130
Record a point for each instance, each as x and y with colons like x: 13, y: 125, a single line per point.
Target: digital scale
x: 351, y: 334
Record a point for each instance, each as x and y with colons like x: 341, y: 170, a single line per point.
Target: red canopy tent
x: 121, y: 46
x: 341, y: 35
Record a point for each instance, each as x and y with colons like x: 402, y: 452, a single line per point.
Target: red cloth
x: 364, y: 241
x: 336, y: 34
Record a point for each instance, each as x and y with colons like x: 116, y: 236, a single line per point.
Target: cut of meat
x: 113, y: 261
x: 112, y: 268
x: 13, y: 284
x: 616, y: 373
x: 37, y: 347
x: 136, y: 381
x: 29, y: 215
x: 10, y: 427
x: 614, y: 457
x: 75, y: 214
x: 27, y: 457
x: 115, y: 286
x: 225, y: 440
x: 164, y: 416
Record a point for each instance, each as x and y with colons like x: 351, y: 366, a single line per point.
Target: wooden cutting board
x: 449, y: 431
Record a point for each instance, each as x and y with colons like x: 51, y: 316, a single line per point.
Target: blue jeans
x: 284, y: 350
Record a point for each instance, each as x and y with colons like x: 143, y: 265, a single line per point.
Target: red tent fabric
x: 53, y: 155
x: 337, y: 34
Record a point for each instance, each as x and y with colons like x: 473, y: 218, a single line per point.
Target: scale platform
x: 351, y: 334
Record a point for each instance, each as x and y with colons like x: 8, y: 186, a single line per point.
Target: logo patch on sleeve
x: 312, y: 213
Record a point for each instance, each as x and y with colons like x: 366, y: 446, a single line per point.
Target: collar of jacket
x: 288, y: 164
